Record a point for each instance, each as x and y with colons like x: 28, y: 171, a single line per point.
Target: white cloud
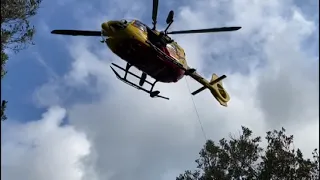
x: 43, y: 149
x: 272, y: 83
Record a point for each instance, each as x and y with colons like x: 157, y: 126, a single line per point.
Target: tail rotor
x: 215, y: 86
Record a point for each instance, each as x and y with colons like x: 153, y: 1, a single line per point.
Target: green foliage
x: 3, y: 107
x: 16, y: 31
x: 243, y: 158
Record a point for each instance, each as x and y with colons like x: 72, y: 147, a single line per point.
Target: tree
x: 16, y: 31
x: 243, y: 158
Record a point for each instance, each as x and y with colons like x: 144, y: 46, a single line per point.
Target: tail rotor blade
x: 222, y: 29
x: 76, y: 32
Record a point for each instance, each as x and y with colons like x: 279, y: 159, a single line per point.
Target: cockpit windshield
x: 140, y: 25
x: 125, y: 21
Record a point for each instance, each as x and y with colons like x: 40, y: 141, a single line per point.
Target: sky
x: 69, y: 118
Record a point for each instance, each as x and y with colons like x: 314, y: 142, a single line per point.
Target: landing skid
x: 143, y: 80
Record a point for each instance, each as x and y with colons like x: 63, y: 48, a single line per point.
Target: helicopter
x: 154, y: 53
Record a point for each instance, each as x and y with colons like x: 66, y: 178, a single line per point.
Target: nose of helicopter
x: 110, y: 28
x: 105, y: 28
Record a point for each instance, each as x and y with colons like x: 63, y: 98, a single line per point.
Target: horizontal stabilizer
x: 211, y: 83
x: 215, y: 86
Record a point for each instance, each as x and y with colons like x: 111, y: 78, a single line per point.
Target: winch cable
x: 196, y: 110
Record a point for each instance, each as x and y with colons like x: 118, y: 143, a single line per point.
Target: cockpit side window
x: 124, y: 21
x: 140, y: 25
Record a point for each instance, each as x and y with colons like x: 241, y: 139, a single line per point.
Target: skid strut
x: 142, y: 79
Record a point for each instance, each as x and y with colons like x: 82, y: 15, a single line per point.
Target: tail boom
x: 215, y: 86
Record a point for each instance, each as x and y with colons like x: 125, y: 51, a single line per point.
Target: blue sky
x: 26, y: 73
x: 68, y: 79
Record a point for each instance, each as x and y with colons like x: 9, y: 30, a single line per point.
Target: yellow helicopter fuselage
x: 154, y: 53
x: 129, y: 42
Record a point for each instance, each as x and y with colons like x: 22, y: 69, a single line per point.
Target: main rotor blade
x: 154, y: 12
x: 222, y: 29
x: 77, y: 32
